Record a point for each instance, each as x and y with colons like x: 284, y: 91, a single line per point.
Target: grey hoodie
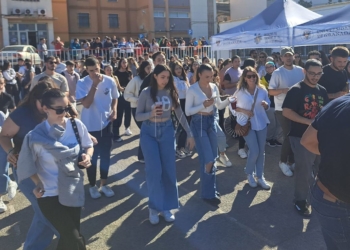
x: 70, y: 177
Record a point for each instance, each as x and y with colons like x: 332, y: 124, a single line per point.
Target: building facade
x: 26, y: 21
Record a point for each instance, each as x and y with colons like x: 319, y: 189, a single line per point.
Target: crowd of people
x: 274, y: 101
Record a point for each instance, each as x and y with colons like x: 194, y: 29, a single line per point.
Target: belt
x: 205, y: 113
x: 326, y: 194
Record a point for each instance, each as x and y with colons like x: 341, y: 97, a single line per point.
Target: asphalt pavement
x: 247, y: 218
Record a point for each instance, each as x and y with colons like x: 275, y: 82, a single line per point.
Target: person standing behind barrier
x: 131, y: 94
x: 274, y: 127
x: 282, y: 79
x: 252, y: 97
x: 200, y: 100
x: 154, y: 46
x: 22, y: 120
x: 107, y: 47
x: 157, y: 141
x: 124, y: 109
x: 86, y: 47
x: 99, y: 97
x: 130, y: 47
x: 74, y: 47
x: 42, y: 48
x: 60, y: 80
x: 59, y: 48
x: 49, y: 156
x: 11, y: 86
x: 72, y: 79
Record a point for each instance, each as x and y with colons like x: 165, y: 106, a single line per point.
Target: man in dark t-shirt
x: 302, y: 103
x: 329, y: 136
x: 335, y: 78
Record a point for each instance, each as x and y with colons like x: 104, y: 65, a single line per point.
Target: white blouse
x: 195, y: 98
x: 245, y: 101
x: 181, y: 87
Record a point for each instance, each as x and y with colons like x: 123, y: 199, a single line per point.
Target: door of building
x: 33, y: 38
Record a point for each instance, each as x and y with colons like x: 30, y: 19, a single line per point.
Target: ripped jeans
x: 204, y: 133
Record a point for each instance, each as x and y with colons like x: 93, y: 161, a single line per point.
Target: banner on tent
x: 316, y: 35
x: 251, y: 39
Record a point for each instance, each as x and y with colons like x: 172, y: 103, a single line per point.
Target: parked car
x: 13, y: 52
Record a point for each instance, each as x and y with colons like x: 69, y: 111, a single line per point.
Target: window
x: 84, y: 20
x: 178, y: 15
x: 158, y: 14
x: 113, y: 20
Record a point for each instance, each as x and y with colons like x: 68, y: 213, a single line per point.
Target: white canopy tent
x: 329, y: 29
x: 272, y: 28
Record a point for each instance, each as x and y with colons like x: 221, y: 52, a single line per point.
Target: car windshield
x: 13, y: 48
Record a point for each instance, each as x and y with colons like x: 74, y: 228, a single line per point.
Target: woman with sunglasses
x: 154, y: 109
x: 22, y: 120
x: 261, y: 64
x: 49, y: 156
x: 253, y: 101
x: 298, y: 61
x: 200, y: 100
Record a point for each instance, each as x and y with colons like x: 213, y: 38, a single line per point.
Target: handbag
x: 244, y: 130
x: 81, y: 151
x: 229, y: 126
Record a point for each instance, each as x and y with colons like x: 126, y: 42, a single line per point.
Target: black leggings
x: 123, y: 107
x: 181, y: 143
x: 66, y: 220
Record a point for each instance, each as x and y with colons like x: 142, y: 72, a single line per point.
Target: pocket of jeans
x: 332, y: 226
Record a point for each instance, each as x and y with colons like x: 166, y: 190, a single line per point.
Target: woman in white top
x: 131, y: 94
x: 130, y: 47
x: 200, y: 100
x: 154, y: 46
x: 248, y: 86
x: 182, y: 85
x: 59, y: 181
x: 193, y: 72
x: 11, y: 83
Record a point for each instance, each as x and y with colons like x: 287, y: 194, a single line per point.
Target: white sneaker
x: 128, y: 132
x: 94, y: 193
x: 180, y: 154
x: 225, y: 160
x: 107, y: 191
x: 242, y: 153
x: 3, y: 207
x: 262, y: 183
x: 292, y: 167
x: 186, y: 151
x: 11, y: 188
x: 252, y: 181
x: 168, y: 216
x: 285, y: 169
x: 153, y: 216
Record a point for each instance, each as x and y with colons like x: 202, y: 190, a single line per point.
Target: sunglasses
x: 262, y: 56
x: 251, y: 76
x: 60, y: 111
x: 52, y: 62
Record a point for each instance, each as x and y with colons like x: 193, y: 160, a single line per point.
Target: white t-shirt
x: 181, y: 87
x: 283, y: 78
x: 96, y: 116
x: 47, y: 167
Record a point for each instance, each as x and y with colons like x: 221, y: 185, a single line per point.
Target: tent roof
x: 280, y: 14
x: 340, y: 16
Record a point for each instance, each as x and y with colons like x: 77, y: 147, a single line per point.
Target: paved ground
x: 246, y: 219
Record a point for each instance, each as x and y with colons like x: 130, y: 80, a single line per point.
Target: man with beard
x: 282, y: 79
x: 334, y: 78
x: 302, y: 103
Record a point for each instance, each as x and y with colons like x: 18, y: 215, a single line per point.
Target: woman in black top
x: 124, y: 76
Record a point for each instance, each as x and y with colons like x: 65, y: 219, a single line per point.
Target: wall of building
x: 60, y: 26
x: 246, y: 8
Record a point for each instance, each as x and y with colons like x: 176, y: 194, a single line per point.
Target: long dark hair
x: 34, y: 95
x: 225, y: 63
x: 142, y: 72
x: 120, y: 63
x: 183, y: 73
x: 53, y: 94
x: 203, y: 67
x: 170, y: 86
x: 6, y: 65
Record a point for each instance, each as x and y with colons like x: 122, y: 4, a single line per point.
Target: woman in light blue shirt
x: 248, y: 87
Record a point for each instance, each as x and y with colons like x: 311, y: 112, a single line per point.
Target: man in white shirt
x: 281, y: 81
x: 50, y: 66
x: 99, y: 96
x: 42, y: 48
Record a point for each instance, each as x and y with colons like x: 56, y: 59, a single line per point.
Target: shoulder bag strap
x: 76, y: 132
x: 255, y: 97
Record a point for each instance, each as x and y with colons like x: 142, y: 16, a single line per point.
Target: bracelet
x: 10, y: 150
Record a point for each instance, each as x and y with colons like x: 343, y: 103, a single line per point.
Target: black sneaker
x: 277, y: 143
x: 271, y: 143
x: 302, y: 207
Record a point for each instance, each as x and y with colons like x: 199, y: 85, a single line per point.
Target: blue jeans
x: 221, y: 137
x: 334, y: 220
x: 41, y: 231
x: 256, y: 141
x: 4, y: 167
x: 158, y: 147
x: 102, y: 149
x: 204, y: 133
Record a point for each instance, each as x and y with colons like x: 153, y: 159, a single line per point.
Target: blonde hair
x: 242, y: 84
